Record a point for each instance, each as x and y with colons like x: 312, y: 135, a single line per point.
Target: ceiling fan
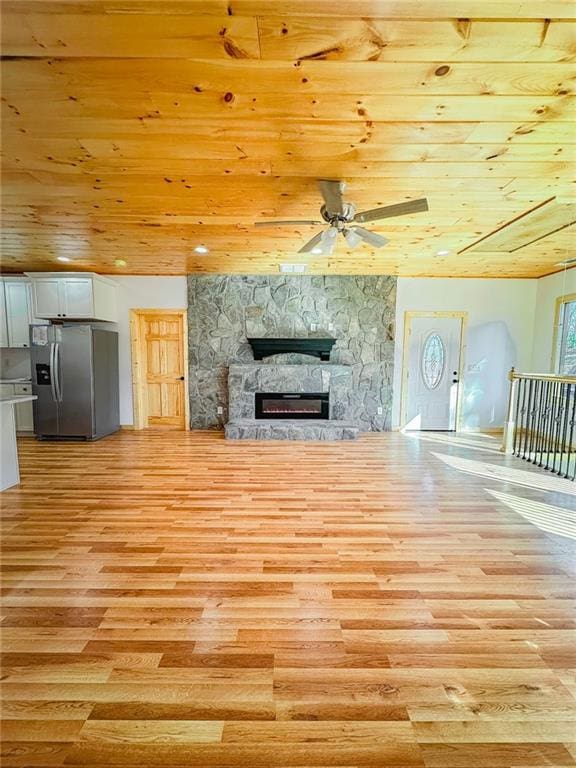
x: 339, y: 215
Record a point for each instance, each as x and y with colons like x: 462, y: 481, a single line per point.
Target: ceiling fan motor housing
x: 339, y: 221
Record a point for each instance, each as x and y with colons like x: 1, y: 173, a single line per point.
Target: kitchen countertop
x: 9, y: 469
x: 16, y: 399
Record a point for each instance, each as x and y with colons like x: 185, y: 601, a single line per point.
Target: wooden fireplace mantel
x: 313, y: 346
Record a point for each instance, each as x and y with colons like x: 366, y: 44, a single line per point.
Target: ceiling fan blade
x: 282, y: 223
x: 370, y: 237
x: 311, y: 243
x: 331, y: 191
x: 400, y: 209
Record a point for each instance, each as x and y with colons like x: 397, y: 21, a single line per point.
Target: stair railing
x: 540, y: 426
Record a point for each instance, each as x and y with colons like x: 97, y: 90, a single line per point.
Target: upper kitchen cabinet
x: 3, y: 319
x: 15, y: 311
x: 73, y: 296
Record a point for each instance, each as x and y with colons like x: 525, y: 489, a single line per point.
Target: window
x: 566, y: 336
x: 432, y: 363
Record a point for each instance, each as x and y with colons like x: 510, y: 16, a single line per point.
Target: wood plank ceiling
x: 135, y: 130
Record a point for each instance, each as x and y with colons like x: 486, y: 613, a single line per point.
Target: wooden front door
x: 161, y: 347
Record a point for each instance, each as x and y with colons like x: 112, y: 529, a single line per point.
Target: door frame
x: 139, y: 394
x: 409, y: 315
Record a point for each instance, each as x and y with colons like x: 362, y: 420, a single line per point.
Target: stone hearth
x: 286, y: 429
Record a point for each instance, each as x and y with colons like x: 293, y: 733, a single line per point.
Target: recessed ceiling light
x: 316, y: 251
x: 201, y: 249
x: 442, y: 253
x: 63, y: 258
x: 120, y: 263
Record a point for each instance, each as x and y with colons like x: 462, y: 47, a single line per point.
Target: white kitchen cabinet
x: 9, y: 470
x: 18, y: 312
x: 3, y: 319
x: 73, y: 296
x: 24, y: 411
x: 77, y: 297
x: 15, y: 312
x: 46, y: 297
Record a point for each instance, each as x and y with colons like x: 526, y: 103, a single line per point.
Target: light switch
x: 220, y: 410
x: 313, y: 327
x: 380, y: 410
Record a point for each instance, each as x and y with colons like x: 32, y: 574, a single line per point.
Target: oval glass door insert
x: 433, y: 361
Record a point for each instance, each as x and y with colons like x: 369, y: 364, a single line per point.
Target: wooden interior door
x: 163, y: 369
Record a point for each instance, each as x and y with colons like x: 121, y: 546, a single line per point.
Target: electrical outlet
x: 220, y: 410
x: 330, y: 326
x: 380, y: 410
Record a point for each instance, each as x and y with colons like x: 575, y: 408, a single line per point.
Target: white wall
x: 141, y: 293
x: 510, y: 322
x: 549, y: 289
x: 500, y: 327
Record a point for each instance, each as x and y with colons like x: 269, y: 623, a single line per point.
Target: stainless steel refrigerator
x: 75, y: 377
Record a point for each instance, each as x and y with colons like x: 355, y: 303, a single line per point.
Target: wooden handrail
x: 543, y: 376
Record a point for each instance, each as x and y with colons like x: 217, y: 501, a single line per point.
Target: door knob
x: 454, y: 381
x: 181, y: 378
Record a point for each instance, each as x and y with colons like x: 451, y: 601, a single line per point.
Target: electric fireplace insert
x: 289, y: 405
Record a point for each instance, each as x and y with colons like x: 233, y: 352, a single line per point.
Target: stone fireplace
x: 355, y: 313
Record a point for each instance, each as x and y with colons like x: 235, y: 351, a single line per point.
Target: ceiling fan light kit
x: 352, y: 238
x: 339, y: 214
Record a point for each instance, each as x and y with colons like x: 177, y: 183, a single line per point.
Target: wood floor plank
x: 173, y: 599
x: 492, y: 732
x: 331, y: 732
x: 527, y: 755
x: 38, y: 730
x: 153, y: 732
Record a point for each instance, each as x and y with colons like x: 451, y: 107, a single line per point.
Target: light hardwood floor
x: 171, y: 599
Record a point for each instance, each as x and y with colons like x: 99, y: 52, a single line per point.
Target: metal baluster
x: 518, y: 430
x: 530, y: 418
x: 526, y: 417
x: 540, y: 421
x: 549, y: 423
x: 558, y: 412
x: 572, y: 408
x: 533, y: 418
x: 520, y: 424
x: 551, y: 435
x: 564, y: 426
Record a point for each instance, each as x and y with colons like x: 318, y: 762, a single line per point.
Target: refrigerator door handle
x: 53, y: 371
x: 57, y: 370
